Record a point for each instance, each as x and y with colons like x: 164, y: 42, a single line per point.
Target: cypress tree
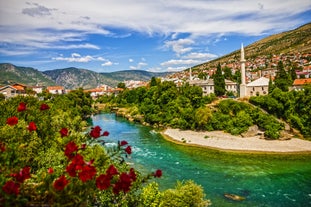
x: 219, y: 82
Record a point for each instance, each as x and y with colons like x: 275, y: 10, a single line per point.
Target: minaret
x: 243, y: 82
x: 190, y: 74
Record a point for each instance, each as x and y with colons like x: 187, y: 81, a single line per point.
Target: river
x: 264, y: 180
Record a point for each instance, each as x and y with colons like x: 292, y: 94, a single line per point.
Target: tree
x: 153, y: 82
x: 271, y: 86
x: 121, y: 85
x: 202, y: 76
x: 228, y: 73
x: 281, y: 80
x: 219, y: 82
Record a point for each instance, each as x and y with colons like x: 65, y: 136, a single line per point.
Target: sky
x: 151, y: 35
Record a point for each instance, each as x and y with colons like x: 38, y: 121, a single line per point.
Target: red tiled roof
x: 302, y: 81
x: 55, y: 88
x: 18, y: 87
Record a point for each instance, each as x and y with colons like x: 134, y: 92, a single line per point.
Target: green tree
x: 153, y: 82
x: 121, y: 85
x: 228, y: 73
x: 282, y: 79
x: 202, y: 76
x: 219, y: 82
x: 271, y: 86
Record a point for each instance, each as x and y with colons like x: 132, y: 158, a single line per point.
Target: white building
x: 258, y: 87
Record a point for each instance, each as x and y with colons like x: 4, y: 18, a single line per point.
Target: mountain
x: 137, y: 75
x: 72, y: 78
x: 293, y: 41
x: 24, y: 75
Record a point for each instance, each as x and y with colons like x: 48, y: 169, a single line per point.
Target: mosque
x: 255, y: 88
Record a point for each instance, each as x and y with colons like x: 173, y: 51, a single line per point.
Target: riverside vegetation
x: 50, y: 157
x: 166, y: 105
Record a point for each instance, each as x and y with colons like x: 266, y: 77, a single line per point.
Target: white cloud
x: 180, y: 62
x: 140, y: 65
x: 76, y: 57
x: 131, y: 60
x: 172, y: 17
x: 108, y: 63
x: 202, y: 56
x: 179, y: 46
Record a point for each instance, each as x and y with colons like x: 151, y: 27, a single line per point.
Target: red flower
x: 83, y: 146
x: 64, y: 132
x: 87, y: 173
x: 10, y: 187
x: 123, y: 184
x: 32, y: 126
x: 71, y: 170
x: 60, y: 183
x: 12, y: 121
x: 76, y: 165
x: 50, y: 170
x: 95, y: 132
x: 103, y: 182
x: 111, y: 171
x: 122, y: 143
x: 157, y: 174
x: 2, y: 147
x: 23, y: 175
x: 132, y: 174
x: 128, y: 150
x: 106, y: 133
x: 21, y: 107
x: 71, y: 147
x: 44, y: 107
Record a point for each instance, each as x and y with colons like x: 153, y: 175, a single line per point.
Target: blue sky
x: 152, y: 35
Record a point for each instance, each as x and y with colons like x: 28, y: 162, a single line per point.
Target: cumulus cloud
x: 179, y: 46
x: 139, y: 66
x: 76, y: 57
x: 43, y: 25
x: 202, y: 56
x: 107, y: 63
x: 37, y: 10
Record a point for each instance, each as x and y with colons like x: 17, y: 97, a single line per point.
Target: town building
x: 300, y: 83
x: 56, y: 89
x: 10, y: 91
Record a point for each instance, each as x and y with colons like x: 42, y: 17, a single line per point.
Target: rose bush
x: 45, y: 160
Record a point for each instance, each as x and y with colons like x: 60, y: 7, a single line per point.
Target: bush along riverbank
x: 163, y: 104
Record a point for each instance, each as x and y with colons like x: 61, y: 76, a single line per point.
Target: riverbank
x: 227, y: 142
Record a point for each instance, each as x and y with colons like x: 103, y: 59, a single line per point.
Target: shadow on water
x: 263, y: 179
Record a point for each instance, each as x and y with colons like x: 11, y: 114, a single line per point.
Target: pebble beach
x: 225, y: 141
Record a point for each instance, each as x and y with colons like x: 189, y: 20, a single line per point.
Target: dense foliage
x: 293, y: 106
x: 47, y: 159
x: 186, y: 108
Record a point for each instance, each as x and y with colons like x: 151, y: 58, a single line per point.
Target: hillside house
x: 37, y: 89
x: 56, y: 89
x: 298, y: 84
x: 208, y: 86
x: 13, y: 90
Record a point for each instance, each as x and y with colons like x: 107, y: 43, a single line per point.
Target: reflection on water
x: 265, y: 180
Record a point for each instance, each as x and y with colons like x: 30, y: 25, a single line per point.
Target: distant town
x: 258, y: 72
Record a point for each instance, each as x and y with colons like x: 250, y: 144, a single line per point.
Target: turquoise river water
x: 264, y: 180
